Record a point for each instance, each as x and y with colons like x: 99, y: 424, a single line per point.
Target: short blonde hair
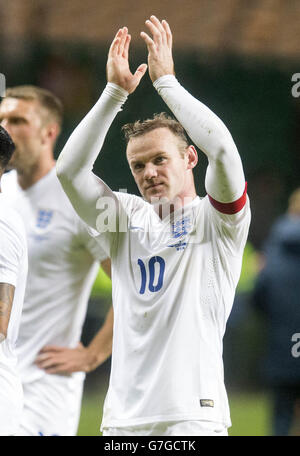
x: 45, y: 98
x: 162, y: 120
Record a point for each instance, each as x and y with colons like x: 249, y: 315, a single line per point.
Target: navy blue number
x: 143, y: 276
x: 159, y: 284
x: 153, y: 288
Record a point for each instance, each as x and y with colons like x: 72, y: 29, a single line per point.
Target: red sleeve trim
x: 230, y: 208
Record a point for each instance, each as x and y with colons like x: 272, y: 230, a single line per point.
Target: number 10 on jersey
x: 150, y: 275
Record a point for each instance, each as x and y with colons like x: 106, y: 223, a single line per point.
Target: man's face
x: 23, y: 121
x: 158, y: 165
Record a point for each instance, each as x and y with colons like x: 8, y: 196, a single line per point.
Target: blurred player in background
x: 175, y: 262
x: 63, y: 263
x: 13, y: 274
x: 277, y: 296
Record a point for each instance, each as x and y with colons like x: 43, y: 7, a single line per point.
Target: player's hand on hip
x: 160, y: 59
x: 117, y: 68
x: 63, y: 360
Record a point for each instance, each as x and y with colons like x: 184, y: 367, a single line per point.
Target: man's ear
x: 192, y: 156
x: 52, y: 130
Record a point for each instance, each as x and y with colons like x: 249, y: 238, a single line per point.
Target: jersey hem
x: 161, y: 419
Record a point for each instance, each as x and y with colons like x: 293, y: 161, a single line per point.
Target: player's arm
x: 61, y: 360
x: 7, y: 292
x: 106, y: 266
x: 75, y: 163
x: 13, y: 247
x: 225, y: 180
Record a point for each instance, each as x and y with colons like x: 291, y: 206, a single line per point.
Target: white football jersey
x: 62, y: 268
x: 13, y: 270
x: 173, y: 287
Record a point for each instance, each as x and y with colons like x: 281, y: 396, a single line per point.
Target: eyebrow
x: 157, y: 154
x: 12, y: 117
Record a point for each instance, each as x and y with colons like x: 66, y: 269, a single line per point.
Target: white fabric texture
x: 13, y: 271
x: 63, y: 264
x: 173, y: 279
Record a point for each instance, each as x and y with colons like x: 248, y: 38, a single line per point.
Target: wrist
x: 117, y: 92
x: 91, y: 358
x: 95, y: 357
x: 167, y: 80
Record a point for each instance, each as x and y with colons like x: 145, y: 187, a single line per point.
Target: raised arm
x: 225, y: 180
x: 75, y: 163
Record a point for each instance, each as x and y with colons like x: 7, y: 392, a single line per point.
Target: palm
x: 160, y: 60
x: 117, y: 69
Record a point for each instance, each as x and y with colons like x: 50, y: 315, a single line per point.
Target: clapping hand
x: 117, y: 68
x: 160, y: 59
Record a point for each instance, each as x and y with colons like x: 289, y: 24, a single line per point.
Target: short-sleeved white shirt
x: 63, y: 263
x: 173, y: 287
x: 13, y: 271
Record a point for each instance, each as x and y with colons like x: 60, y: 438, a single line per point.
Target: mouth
x: 153, y: 186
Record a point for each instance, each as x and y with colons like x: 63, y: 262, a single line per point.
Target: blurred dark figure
x: 277, y: 295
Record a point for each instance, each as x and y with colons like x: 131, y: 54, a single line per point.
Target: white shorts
x: 178, y: 428
x: 52, y: 406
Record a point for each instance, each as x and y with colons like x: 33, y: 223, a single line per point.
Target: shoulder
x: 9, y: 215
x: 55, y: 198
x: 234, y: 218
x: 11, y: 225
x: 131, y: 203
x: 9, y: 182
x: 227, y: 230
x: 129, y: 198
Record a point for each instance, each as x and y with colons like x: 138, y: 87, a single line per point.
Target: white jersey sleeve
x: 94, y: 248
x: 110, y: 227
x: 224, y: 180
x: 230, y: 231
x: 12, y: 250
x: 13, y: 270
x: 13, y: 263
x: 75, y: 163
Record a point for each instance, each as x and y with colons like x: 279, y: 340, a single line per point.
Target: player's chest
x: 152, y: 253
x: 49, y: 231
x: 148, y: 235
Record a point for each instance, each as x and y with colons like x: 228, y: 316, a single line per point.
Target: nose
x: 150, y: 171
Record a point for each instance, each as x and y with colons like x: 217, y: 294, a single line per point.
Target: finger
x: 168, y: 32
x: 39, y: 359
x: 116, y: 37
x: 126, y: 47
x: 115, y: 43
x: 58, y: 371
x: 149, y: 42
x: 51, y: 348
x: 46, y: 363
x: 122, y: 40
x: 141, y: 70
x: 159, y: 26
x: 157, y: 37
